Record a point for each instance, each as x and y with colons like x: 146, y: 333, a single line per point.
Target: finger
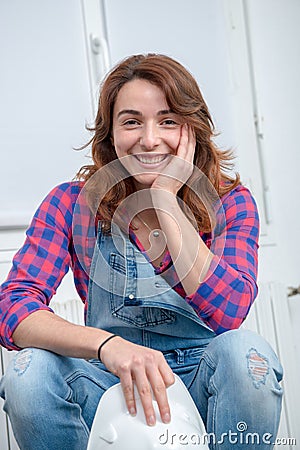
x: 160, y: 393
x: 183, y: 142
x: 167, y: 373
x: 187, y: 144
x: 128, y: 391
x: 191, y: 144
x: 144, y: 390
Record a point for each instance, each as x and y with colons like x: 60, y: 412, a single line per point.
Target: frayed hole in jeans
x: 22, y: 361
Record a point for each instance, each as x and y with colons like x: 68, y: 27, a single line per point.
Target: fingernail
x: 132, y: 411
x: 151, y: 421
x: 167, y: 418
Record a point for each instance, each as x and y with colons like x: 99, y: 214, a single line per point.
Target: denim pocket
x: 131, y: 309
x: 185, y: 362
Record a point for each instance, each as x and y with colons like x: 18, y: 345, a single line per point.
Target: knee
x: 245, y: 352
x: 28, y: 375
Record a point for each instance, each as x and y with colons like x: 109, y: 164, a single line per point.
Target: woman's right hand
x: 144, y: 367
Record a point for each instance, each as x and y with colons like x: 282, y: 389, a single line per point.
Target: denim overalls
x: 51, y: 399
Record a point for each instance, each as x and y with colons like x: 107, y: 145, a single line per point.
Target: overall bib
x: 128, y: 298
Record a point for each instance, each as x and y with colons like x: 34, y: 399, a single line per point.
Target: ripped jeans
x: 234, y: 380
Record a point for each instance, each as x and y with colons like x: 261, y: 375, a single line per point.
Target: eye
x: 169, y: 122
x: 131, y: 122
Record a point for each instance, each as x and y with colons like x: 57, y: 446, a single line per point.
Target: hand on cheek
x: 180, y: 167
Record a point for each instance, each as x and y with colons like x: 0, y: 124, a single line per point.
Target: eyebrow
x: 138, y: 113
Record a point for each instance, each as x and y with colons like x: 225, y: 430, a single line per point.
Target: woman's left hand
x: 180, y: 167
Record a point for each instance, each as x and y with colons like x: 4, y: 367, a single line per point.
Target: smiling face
x: 145, y: 131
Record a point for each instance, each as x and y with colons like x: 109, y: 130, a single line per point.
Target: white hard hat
x: 114, y: 428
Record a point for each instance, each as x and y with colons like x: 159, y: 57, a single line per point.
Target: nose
x: 150, y: 137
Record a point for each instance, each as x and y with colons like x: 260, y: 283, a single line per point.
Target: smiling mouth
x: 150, y: 159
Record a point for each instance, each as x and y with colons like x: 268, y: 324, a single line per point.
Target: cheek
x: 173, y: 140
x: 123, y: 142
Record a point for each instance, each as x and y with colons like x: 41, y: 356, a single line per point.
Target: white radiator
x: 70, y: 309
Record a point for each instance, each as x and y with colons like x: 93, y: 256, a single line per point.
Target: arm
x: 224, y: 299
x: 148, y: 368
x: 190, y: 256
x: 128, y: 361
x: 220, y: 283
x: 39, y: 266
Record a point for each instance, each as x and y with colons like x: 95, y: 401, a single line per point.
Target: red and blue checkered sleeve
x: 223, y: 300
x: 39, y: 266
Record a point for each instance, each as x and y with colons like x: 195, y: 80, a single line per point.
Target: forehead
x: 140, y: 93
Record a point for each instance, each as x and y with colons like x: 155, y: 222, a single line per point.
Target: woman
x: 171, y: 278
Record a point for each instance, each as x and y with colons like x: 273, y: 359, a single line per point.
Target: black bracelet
x: 104, y: 342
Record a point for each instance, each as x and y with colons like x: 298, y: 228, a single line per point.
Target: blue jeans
x: 234, y: 380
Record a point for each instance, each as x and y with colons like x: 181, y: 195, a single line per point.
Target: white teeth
x: 150, y: 159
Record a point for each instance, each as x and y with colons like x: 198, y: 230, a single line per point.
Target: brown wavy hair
x: 184, y: 98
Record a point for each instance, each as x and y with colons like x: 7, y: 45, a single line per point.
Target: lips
x: 150, y: 159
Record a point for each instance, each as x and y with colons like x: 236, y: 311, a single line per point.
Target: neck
x: 149, y: 217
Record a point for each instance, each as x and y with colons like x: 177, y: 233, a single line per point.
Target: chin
x: 144, y: 181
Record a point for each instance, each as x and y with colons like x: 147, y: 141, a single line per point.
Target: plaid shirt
x: 52, y: 245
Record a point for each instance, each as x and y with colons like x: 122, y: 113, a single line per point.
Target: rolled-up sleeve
x: 223, y: 300
x: 39, y: 266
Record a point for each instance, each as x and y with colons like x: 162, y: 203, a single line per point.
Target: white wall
x: 275, y: 38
